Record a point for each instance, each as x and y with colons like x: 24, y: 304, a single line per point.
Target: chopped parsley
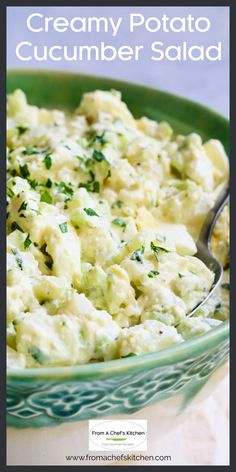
x: 65, y: 188
x: 10, y: 192
x: 21, y: 129
x: 153, y: 273
x: 88, y: 161
x: 15, y: 226
x: 157, y: 250
x: 117, y: 204
x: 33, y: 184
x: 90, y: 212
x: 27, y: 242
x: 98, y: 138
x: 23, y: 207
x: 82, y: 159
x: 18, y: 258
x: 47, y: 161
x: 49, y: 183
x: 24, y: 171
x: 137, y: 255
x: 46, y: 197
x: 119, y: 222
x: 13, y: 172
x: 29, y: 150
x: 63, y: 227
x: 92, y: 185
x: 98, y: 156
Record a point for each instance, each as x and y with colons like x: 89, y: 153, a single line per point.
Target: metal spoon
x: 203, y: 245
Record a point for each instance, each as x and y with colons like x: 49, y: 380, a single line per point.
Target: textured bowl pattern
x: 50, y: 403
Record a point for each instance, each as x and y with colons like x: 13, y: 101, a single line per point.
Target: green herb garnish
x: 49, y: 183
x: 24, y: 171
x: 137, y: 255
x: 27, y: 242
x: 93, y: 187
x: 15, y: 226
x: 98, y: 139
x: 23, y: 207
x: 10, y: 192
x: 119, y: 222
x: 21, y: 129
x: 157, y: 250
x: 117, y: 204
x: 29, y: 150
x: 33, y: 184
x: 98, y: 156
x: 47, y: 161
x: 90, y: 212
x: 64, y: 188
x: 153, y: 273
x: 46, y: 197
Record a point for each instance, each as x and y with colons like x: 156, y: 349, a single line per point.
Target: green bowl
x: 173, y: 377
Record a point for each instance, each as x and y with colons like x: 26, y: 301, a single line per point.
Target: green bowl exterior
x: 51, y: 396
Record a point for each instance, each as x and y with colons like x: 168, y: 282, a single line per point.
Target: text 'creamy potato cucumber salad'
x: 103, y: 214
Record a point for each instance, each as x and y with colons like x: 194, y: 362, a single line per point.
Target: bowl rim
x: 168, y: 356
x: 188, y: 101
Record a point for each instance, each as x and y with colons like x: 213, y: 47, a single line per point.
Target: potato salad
x: 103, y: 214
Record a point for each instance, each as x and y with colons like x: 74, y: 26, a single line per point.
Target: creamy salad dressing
x: 103, y: 214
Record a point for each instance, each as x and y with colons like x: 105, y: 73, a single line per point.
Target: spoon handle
x: 208, y: 226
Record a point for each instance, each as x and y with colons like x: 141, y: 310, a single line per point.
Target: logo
x: 118, y: 435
